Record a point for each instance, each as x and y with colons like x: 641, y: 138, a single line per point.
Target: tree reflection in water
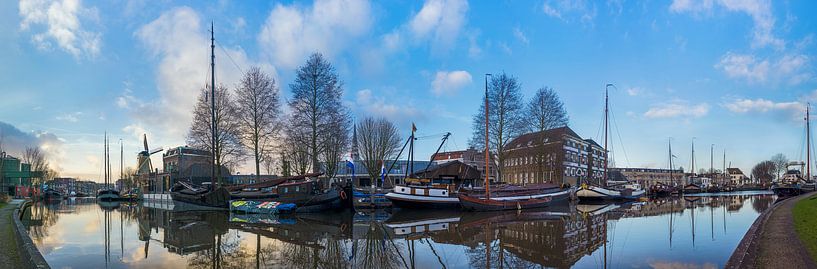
x: 567, y: 237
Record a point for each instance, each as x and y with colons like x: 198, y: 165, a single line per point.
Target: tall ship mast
x: 603, y: 190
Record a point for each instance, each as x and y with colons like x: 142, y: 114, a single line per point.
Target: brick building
x: 650, y: 176
x: 557, y: 156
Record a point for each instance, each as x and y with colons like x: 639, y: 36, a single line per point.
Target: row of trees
x: 767, y: 171
x: 510, y: 116
x: 311, y: 138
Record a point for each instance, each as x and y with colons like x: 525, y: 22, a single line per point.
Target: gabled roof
x: 593, y: 142
x: 537, y: 137
x: 734, y: 171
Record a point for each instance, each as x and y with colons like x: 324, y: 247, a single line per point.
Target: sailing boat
x: 662, y: 189
x: 107, y: 194
x: 423, y: 193
x: 792, y: 183
x: 510, y: 197
x: 621, y: 190
x: 207, y: 196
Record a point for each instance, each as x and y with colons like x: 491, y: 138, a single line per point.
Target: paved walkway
x: 9, y: 258
x: 774, y: 242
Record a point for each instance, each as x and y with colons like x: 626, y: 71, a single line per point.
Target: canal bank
x: 772, y: 241
x: 17, y: 250
x: 9, y: 256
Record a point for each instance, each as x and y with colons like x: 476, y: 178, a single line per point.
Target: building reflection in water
x: 555, y: 237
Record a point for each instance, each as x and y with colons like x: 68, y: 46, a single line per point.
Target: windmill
x: 143, y: 159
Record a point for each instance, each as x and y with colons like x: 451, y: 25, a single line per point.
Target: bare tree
x: 335, y: 143
x: 763, y: 172
x: 36, y: 158
x: 545, y: 111
x: 257, y: 110
x: 505, y: 120
x: 378, y: 141
x: 780, y: 161
x: 295, y: 155
x: 230, y: 151
x: 316, y: 97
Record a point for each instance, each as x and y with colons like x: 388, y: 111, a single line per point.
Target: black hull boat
x: 787, y: 190
x: 52, y: 195
x: 107, y: 195
x: 692, y: 188
x: 307, y: 196
x: 201, y: 196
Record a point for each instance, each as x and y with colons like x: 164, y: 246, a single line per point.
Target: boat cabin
x: 452, y: 173
x: 298, y: 188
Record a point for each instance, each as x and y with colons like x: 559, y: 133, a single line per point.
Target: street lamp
x: 2, y: 172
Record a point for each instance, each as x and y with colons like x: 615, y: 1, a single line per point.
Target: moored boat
x: 624, y: 191
x: 520, y: 198
x: 107, y: 194
x: 605, y: 189
x: 793, y: 182
x: 204, y: 196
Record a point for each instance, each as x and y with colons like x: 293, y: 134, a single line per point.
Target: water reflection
x: 690, y: 231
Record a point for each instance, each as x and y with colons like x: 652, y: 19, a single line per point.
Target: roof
x: 593, y: 142
x: 734, y: 171
x: 551, y: 134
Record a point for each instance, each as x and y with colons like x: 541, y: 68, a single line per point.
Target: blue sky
x: 736, y: 74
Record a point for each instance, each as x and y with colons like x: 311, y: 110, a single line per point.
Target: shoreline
x: 19, y: 251
x: 772, y: 241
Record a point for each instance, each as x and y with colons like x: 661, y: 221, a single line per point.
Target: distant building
x: 62, y: 184
x: 650, y: 176
x: 188, y: 164
x: 15, y: 176
x: 736, y: 177
x: 360, y: 177
x: 557, y: 156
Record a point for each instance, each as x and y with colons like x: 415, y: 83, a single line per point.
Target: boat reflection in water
x: 675, y: 232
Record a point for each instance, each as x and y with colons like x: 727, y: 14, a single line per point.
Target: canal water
x: 690, y: 232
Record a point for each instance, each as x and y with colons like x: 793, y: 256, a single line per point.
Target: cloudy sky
x: 736, y: 74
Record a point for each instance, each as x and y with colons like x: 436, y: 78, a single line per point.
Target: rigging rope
x: 230, y: 57
x: 621, y: 142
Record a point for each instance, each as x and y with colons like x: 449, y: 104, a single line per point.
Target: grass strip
x: 805, y: 223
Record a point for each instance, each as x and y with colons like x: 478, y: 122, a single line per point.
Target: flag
x: 413, y: 128
x: 382, y: 173
x: 351, y: 166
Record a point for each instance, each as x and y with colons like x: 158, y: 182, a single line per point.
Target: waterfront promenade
x: 9, y: 252
x: 772, y: 241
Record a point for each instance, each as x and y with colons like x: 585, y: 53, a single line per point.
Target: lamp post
x: 3, y: 172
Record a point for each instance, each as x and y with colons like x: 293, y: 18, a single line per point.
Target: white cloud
x: 566, y: 10
x: 60, y: 21
x: 550, y: 11
x: 744, y: 66
x: 677, y: 109
x: 760, y: 11
x: 439, y: 21
x: 633, y: 91
x: 762, y: 105
x: 377, y: 105
x: 182, y: 44
x: 449, y: 82
x: 520, y: 35
x: 291, y: 33
x: 70, y: 117
x: 15, y: 141
x: 790, y: 68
